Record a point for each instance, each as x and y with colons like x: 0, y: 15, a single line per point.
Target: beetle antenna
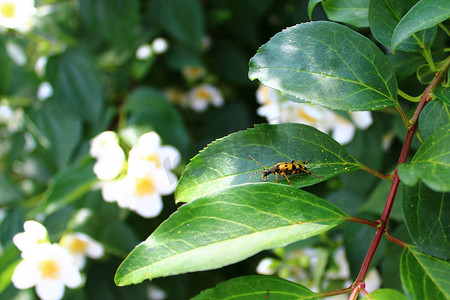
x: 254, y: 174
x: 257, y: 163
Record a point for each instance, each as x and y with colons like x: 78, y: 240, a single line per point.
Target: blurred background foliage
x: 98, y: 83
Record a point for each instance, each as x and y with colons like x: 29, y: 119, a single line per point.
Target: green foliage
x: 355, y: 76
x: 322, y: 226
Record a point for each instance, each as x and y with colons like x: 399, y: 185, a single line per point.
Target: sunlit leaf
x: 226, y: 227
x: 351, y: 12
x: 224, y: 162
x: 385, y: 294
x: 326, y: 64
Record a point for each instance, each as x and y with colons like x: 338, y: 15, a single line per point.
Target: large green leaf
x: 58, y: 129
x: 423, y: 15
x: 224, y: 162
x: 431, y: 163
x: 115, y: 21
x: 327, y: 64
x: 433, y: 116
x: 443, y: 94
x: 385, y: 294
x: 77, y: 84
x: 351, y: 12
x: 423, y: 276
x: 149, y: 107
x: 427, y: 217
x: 384, y: 16
x: 257, y: 287
x: 226, y: 227
x: 183, y: 19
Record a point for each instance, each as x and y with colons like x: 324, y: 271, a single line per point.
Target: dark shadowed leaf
x: 326, y: 64
x: 227, y: 227
x: 433, y: 116
x: 427, y: 217
x: 224, y: 162
x: 423, y: 15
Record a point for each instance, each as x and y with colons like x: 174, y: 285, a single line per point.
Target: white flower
x: 278, y: 110
x: 6, y: 112
x: 148, y: 153
x: 193, y: 73
x: 201, y: 96
x: 35, y: 233
x: 81, y: 245
x: 373, y: 280
x: 110, y: 156
x: 141, y: 191
x: 17, y: 14
x: 144, y: 52
x: 44, y: 91
x: 49, y: 268
x: 160, y: 45
x: 267, y: 266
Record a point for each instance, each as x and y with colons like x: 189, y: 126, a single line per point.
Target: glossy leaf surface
x: 352, y: 12
x: 423, y: 15
x: 224, y: 162
x: 384, y: 16
x: 226, y: 227
x: 431, y: 163
x: 423, y: 276
x: 385, y: 294
x: 433, y: 116
x: 355, y: 75
x: 257, y: 287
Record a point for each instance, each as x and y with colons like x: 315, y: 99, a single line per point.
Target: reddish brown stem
x: 363, y: 221
x: 383, y: 222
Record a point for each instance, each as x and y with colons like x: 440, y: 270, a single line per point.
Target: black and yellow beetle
x: 284, y: 169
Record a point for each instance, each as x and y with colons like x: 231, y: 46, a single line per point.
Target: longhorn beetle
x: 284, y: 169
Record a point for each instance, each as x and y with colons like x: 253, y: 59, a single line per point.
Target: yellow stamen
x: 145, y: 186
x: 203, y: 95
x: 304, y: 116
x: 153, y: 157
x: 49, y: 269
x: 78, y: 246
x: 8, y: 10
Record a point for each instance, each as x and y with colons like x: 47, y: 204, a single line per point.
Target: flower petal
x: 150, y: 206
x: 50, y: 289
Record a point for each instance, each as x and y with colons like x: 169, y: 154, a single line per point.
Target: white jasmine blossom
x: 267, y: 266
x: 39, y: 65
x: 49, y: 268
x: 81, y: 245
x: 201, y: 96
x: 110, y: 156
x: 44, y: 91
x: 144, y: 52
x: 35, y: 233
x: 16, y: 53
x: 17, y: 14
x: 160, y: 45
x: 278, y: 110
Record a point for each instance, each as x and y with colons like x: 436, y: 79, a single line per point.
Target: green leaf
x: 427, y: 217
x: 423, y: 15
x: 257, y: 287
x: 183, y: 19
x: 224, y: 162
x: 443, y: 94
x: 326, y: 64
x: 385, y: 294
x: 433, y: 116
x: 311, y: 5
x: 58, y: 129
x: 149, y: 107
x: 115, y: 21
x: 227, y: 227
x: 405, y: 63
x: 68, y: 185
x: 430, y: 163
x: 10, y: 192
x: 377, y: 199
x: 384, y: 16
x: 351, y: 12
x: 8, y: 261
x: 6, y: 71
x: 77, y: 84
x: 423, y: 276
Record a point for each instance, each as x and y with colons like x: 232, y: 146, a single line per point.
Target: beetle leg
x: 284, y: 174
